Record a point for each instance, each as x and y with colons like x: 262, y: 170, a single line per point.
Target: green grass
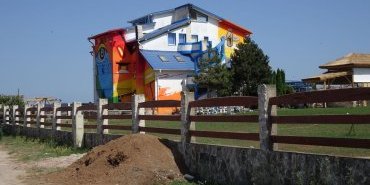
x: 35, y: 149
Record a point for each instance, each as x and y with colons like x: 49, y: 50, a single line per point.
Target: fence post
x: 38, y: 116
x: 25, y: 118
x: 56, y: 113
x: 264, y: 94
x: 6, y: 114
x: 14, y: 116
x: 186, y: 124
x: 77, y: 125
x: 136, y: 111
x: 2, y: 114
x: 100, y: 119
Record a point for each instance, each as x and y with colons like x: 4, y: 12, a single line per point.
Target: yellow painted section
x: 149, y: 75
x: 124, y: 83
x: 222, y: 32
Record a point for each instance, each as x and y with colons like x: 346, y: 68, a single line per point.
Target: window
x: 163, y: 58
x: 206, y: 39
x: 197, y: 16
x: 122, y: 68
x: 182, y: 38
x: 201, y: 17
x: 194, y: 38
x: 171, y: 38
x: 179, y: 59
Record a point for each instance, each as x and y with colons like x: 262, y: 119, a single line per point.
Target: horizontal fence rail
x: 160, y: 103
x: 117, y: 106
x: 245, y: 101
x: 323, y: 141
x: 336, y: 95
x: 322, y: 119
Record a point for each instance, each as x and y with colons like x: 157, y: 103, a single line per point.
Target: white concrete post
x: 77, y: 125
x: 14, y: 117
x: 38, y: 114
x: 25, y: 118
x: 56, y: 113
x: 265, y: 92
x: 186, y: 124
x: 100, y: 119
x: 2, y: 114
x: 136, y: 123
x: 6, y: 114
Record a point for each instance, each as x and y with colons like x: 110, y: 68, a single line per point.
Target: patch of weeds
x: 1, y: 132
x: 28, y: 149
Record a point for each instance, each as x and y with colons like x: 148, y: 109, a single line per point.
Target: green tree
x: 213, y: 75
x: 250, y: 68
x: 11, y: 100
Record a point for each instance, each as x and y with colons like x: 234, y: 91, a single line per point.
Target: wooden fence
x: 135, y: 111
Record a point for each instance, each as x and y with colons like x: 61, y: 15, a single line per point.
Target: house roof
x: 349, y: 61
x: 165, y: 29
x: 234, y: 26
x: 173, y: 9
x: 170, y: 61
x: 327, y: 76
x: 118, y: 30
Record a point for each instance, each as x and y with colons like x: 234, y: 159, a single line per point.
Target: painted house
x: 158, y: 50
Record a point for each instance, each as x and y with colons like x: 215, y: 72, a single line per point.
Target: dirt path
x: 10, y: 170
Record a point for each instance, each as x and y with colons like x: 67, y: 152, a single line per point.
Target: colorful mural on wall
x: 119, y: 67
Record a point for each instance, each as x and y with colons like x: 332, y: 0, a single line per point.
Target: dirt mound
x: 133, y: 159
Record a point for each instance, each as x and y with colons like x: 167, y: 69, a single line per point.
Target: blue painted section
x: 152, y: 57
x: 104, y: 73
x: 165, y: 29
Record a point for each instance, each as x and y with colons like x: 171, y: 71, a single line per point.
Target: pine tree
x: 250, y: 68
x: 214, y: 76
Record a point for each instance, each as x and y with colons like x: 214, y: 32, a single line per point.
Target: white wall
x: 361, y: 74
x: 162, y: 20
x: 171, y: 80
x: 209, y: 29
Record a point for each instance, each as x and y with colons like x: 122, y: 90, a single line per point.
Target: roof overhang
x: 329, y: 76
x: 119, y: 31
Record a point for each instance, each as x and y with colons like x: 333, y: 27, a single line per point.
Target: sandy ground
x: 16, y: 173
x: 10, y: 170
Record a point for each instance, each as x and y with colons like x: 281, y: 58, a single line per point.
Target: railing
x: 188, y: 48
x: 154, y: 105
x: 62, y: 113
x: 105, y: 116
x: 338, y: 95
x: 226, y: 101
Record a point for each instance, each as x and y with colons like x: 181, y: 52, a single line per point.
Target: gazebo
x: 352, y: 70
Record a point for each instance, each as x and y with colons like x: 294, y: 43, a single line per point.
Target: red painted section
x: 235, y: 28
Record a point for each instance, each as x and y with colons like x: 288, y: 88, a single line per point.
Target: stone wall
x: 231, y: 165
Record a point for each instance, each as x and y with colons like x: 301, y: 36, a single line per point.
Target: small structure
x: 352, y: 70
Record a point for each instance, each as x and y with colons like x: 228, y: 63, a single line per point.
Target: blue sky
x: 44, y: 50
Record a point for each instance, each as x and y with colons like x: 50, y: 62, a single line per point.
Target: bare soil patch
x: 10, y: 171
x: 133, y: 159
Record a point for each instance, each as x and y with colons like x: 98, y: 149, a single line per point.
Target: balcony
x: 189, y: 48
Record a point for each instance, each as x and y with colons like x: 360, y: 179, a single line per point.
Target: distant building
x: 352, y: 70
x: 299, y: 86
x: 158, y: 50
